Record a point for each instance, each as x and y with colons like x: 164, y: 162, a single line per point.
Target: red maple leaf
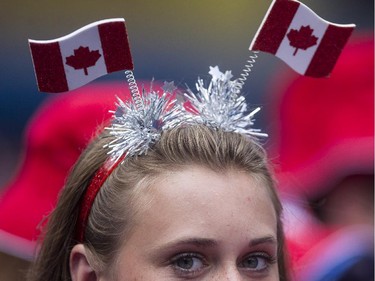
x: 302, y: 38
x: 83, y: 58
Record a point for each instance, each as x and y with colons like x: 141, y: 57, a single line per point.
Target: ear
x: 80, y: 269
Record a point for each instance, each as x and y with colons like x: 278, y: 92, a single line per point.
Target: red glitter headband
x: 92, y: 190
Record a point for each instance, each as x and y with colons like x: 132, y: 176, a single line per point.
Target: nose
x: 228, y: 273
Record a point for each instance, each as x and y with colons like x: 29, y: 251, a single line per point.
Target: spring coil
x: 134, y: 90
x: 246, y: 71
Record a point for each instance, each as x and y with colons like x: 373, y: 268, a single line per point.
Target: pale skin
x: 197, y: 225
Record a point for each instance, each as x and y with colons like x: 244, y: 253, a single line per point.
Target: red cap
x: 56, y: 135
x: 325, y: 126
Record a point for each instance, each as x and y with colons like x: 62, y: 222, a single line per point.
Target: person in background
x: 56, y: 134
x: 325, y: 151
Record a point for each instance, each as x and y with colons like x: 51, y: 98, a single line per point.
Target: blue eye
x: 256, y: 262
x: 188, y: 263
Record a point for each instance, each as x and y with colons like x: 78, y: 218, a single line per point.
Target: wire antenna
x: 247, y: 69
x: 134, y: 90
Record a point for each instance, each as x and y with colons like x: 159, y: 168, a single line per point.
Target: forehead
x: 198, y: 201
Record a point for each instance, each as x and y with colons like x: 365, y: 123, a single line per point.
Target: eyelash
x: 268, y: 259
x: 188, y: 272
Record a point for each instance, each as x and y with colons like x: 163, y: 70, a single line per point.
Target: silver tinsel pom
x: 138, y: 124
x: 220, y: 105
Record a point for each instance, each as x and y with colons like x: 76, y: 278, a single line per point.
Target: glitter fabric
x: 220, y: 104
x: 138, y: 124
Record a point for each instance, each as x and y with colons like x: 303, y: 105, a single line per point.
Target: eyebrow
x: 198, y: 242
x: 207, y: 243
x: 262, y: 240
x: 158, y: 252
x: 168, y: 247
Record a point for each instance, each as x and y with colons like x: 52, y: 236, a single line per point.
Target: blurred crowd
x: 324, y: 151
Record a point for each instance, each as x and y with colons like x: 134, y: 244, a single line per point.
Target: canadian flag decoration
x: 307, y: 43
x: 71, y: 61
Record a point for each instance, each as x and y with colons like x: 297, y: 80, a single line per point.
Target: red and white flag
x: 307, y: 43
x: 76, y: 59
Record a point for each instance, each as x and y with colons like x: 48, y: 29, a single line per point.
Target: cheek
x: 274, y: 274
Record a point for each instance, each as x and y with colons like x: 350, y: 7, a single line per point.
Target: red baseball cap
x: 324, y: 128
x: 55, y: 137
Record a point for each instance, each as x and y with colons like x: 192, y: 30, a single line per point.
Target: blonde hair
x: 176, y: 149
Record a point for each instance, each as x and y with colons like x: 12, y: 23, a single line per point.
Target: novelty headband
x: 290, y: 31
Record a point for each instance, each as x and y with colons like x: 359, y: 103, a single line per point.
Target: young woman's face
x: 202, y: 225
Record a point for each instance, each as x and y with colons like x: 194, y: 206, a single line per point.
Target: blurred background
x: 170, y: 40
